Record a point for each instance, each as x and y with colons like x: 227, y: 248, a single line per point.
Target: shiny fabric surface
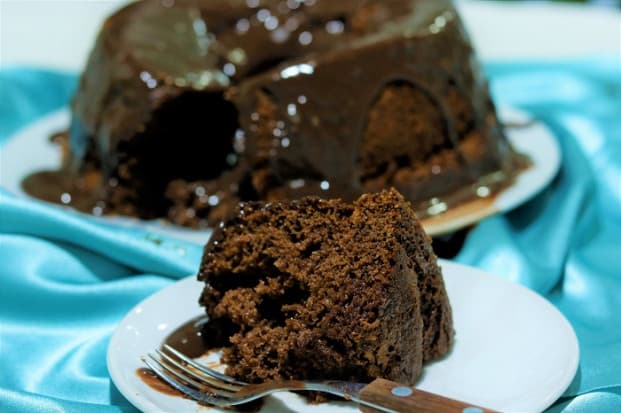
x: 66, y: 280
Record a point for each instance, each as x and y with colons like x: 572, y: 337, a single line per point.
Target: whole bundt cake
x: 187, y: 107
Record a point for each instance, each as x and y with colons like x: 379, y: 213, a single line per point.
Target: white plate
x: 514, y: 352
x: 30, y: 150
x: 533, y: 139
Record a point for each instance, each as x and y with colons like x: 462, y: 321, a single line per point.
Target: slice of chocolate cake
x: 317, y: 289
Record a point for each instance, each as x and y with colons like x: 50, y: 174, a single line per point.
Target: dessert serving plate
x: 514, y: 351
x: 31, y: 151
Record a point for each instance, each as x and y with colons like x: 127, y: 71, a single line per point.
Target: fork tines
x: 193, y: 379
x: 209, y: 386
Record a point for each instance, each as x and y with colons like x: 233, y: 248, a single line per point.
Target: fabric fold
x: 131, y: 246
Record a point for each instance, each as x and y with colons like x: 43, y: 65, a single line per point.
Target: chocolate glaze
x: 188, y: 338
x: 149, y: 378
x: 188, y: 106
x: 59, y: 187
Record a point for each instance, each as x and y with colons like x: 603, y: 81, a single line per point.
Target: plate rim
x: 505, y: 201
x: 146, y: 405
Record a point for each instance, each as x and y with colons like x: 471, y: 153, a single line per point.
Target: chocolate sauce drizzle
x: 188, y: 339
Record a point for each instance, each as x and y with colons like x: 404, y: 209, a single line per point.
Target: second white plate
x: 514, y: 351
x: 30, y: 151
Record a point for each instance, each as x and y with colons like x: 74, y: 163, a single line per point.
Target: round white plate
x: 514, y: 352
x: 527, y: 136
x: 30, y: 150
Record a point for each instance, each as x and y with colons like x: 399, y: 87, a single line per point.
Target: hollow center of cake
x: 189, y: 138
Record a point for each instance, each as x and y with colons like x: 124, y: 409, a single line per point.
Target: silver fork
x: 209, y: 386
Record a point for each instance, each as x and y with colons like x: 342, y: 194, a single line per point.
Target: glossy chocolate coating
x: 296, y: 86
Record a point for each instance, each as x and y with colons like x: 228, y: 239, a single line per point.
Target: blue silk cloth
x: 66, y: 280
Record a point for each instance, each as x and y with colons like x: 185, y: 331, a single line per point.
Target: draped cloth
x: 66, y: 279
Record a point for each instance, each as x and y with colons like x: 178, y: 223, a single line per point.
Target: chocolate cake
x: 187, y: 107
x: 324, y: 289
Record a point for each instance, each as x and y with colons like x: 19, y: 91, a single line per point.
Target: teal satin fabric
x: 66, y: 280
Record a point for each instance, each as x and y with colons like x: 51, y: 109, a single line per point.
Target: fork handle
x: 402, y: 398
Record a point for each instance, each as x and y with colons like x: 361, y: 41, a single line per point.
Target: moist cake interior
x: 325, y: 289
